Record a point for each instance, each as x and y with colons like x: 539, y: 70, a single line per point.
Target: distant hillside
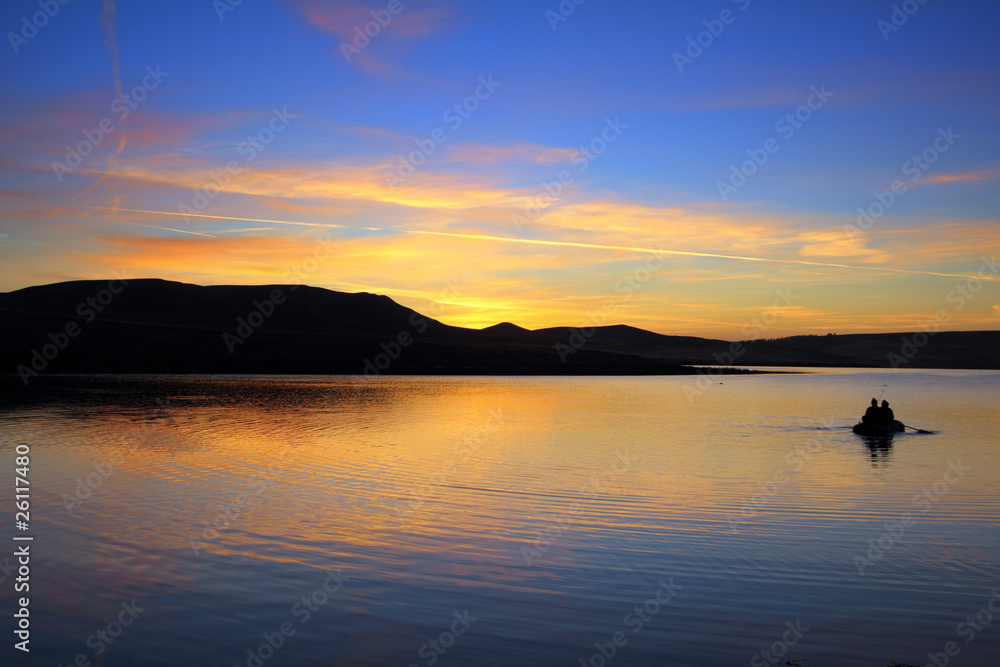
x: 168, y: 327
x: 159, y: 326
x: 944, y: 349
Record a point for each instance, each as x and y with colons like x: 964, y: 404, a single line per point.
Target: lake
x: 209, y: 520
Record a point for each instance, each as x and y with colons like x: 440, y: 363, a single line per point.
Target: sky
x: 729, y: 169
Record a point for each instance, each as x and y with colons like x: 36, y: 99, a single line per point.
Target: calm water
x: 511, y: 521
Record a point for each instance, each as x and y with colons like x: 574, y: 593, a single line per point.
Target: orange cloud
x: 346, y: 19
x: 990, y: 174
x: 146, y: 130
x: 252, y: 257
x: 947, y: 240
x: 329, y: 181
x: 531, y: 284
x: 475, y: 206
x: 836, y: 243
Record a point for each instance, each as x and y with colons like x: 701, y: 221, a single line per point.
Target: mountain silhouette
x: 159, y: 326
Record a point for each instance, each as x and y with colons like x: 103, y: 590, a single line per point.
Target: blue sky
x: 655, y: 186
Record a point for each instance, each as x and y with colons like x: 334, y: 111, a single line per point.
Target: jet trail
x: 562, y: 244
x: 109, y: 19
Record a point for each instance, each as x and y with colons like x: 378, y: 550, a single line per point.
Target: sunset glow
x: 536, y: 163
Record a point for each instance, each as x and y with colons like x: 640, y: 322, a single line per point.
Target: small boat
x: 894, y: 426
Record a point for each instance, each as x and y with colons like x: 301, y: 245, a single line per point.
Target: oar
x: 918, y: 430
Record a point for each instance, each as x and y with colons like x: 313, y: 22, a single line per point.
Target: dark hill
x: 168, y: 327
x: 160, y: 326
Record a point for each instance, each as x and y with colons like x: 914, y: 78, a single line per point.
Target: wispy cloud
x: 478, y: 203
x: 109, y: 20
x: 976, y: 176
x: 834, y: 243
x: 345, y: 181
x: 417, y: 20
x: 660, y: 250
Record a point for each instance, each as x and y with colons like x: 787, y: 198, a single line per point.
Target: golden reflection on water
x: 504, y: 487
x: 360, y: 466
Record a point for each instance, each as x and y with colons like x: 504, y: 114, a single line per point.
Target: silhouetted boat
x: 895, y: 426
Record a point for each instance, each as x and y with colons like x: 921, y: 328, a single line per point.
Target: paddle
x: 918, y: 430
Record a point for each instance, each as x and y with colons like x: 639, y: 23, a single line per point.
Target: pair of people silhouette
x: 878, y: 415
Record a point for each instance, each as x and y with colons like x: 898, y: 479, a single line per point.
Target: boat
x: 894, y: 426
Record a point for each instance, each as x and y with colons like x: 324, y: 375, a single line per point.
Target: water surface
x: 513, y: 521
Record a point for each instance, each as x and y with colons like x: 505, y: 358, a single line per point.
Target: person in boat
x: 887, y: 414
x: 874, y: 414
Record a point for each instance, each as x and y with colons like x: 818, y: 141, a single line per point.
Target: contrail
x: 109, y: 16
x: 108, y: 19
x: 561, y: 244
x: 96, y: 183
x: 571, y: 244
x: 229, y: 217
x: 167, y: 229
